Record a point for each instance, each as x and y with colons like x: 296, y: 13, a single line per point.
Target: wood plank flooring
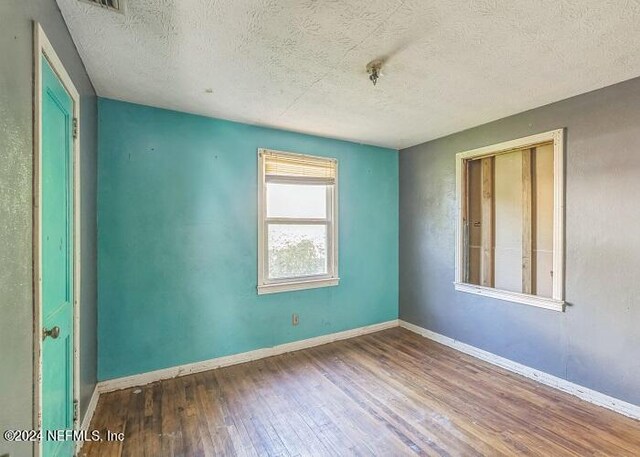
x: 391, y: 393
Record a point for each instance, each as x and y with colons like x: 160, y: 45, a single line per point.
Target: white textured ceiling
x: 300, y: 64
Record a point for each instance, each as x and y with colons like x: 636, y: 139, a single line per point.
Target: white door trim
x: 42, y: 46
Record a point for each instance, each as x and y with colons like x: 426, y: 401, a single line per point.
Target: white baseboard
x: 88, y: 415
x: 592, y: 396
x: 197, y: 367
x: 91, y: 408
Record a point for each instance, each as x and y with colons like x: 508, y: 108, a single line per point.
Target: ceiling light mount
x: 374, y: 69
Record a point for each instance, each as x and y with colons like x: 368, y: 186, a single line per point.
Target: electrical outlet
x: 295, y: 320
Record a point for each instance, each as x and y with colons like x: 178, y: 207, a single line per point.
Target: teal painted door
x: 57, y: 261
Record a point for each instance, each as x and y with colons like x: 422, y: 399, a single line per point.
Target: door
x: 57, y: 260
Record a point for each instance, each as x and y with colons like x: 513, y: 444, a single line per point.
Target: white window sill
x: 525, y: 299
x: 297, y: 285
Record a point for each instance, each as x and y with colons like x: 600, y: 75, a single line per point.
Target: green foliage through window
x: 301, y: 257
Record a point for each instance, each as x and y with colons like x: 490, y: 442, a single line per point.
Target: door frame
x: 42, y: 47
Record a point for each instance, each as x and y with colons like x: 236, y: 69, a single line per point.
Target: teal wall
x: 177, y: 240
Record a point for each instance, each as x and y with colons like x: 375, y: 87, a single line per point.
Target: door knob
x: 52, y: 332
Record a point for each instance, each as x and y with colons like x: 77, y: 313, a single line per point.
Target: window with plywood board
x: 510, y: 235
x: 510, y: 220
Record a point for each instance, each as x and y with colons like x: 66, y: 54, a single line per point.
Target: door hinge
x: 75, y: 128
x: 75, y: 411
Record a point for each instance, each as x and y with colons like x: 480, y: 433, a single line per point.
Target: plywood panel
x: 508, y: 217
x: 544, y: 265
x: 544, y: 219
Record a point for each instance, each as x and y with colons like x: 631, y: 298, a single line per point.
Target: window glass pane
x: 297, y: 250
x: 296, y: 200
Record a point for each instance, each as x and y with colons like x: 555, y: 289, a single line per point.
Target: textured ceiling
x: 300, y: 64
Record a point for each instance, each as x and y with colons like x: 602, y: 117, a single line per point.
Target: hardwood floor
x: 390, y: 393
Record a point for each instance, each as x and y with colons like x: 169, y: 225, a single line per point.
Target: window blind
x: 283, y: 166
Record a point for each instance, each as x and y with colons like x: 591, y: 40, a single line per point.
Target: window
x: 510, y: 221
x: 297, y: 221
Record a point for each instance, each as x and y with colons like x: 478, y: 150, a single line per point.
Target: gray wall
x: 16, y: 301
x: 596, y: 342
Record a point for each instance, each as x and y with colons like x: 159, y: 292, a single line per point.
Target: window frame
x: 556, y: 301
x: 331, y: 278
